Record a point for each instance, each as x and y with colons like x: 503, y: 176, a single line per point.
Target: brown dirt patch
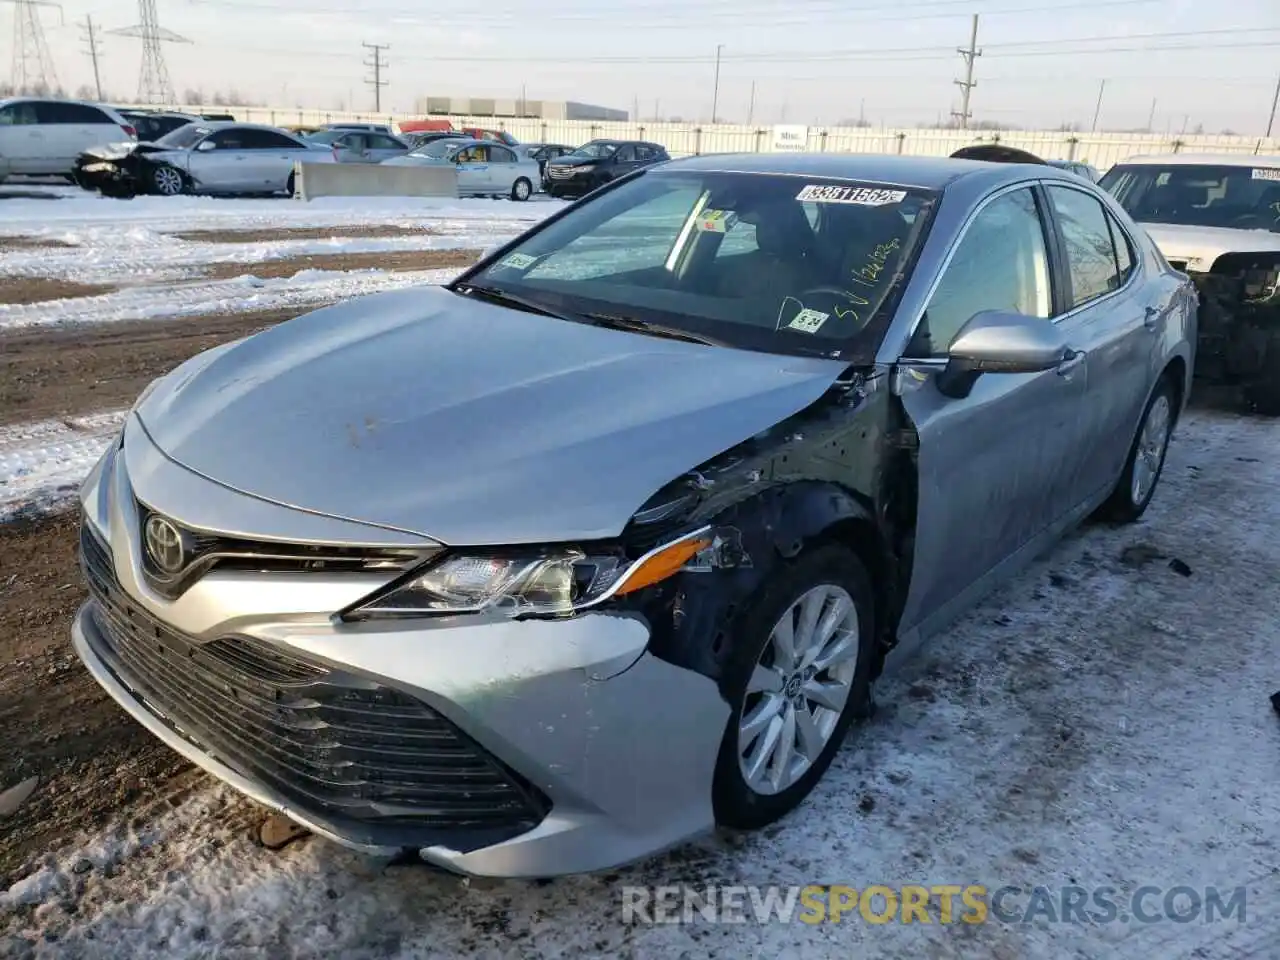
x: 30, y: 243
x: 56, y: 723
x: 386, y: 260
x: 77, y: 370
x: 40, y: 289
x: 298, y: 233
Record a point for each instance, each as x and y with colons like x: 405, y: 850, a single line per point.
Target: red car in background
x: 479, y: 133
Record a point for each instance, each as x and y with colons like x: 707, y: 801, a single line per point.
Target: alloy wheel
x: 799, y: 689
x: 168, y: 181
x: 1153, y: 441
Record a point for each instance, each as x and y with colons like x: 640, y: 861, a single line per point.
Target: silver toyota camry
x: 606, y: 541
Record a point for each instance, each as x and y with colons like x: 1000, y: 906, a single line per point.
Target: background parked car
x: 357, y: 146
x: 484, y: 169
x: 1080, y: 169
x: 497, y: 136
x: 597, y: 162
x: 43, y: 137
x: 542, y: 152
x: 370, y: 127
x: 431, y: 136
x: 227, y: 158
x: 152, y: 125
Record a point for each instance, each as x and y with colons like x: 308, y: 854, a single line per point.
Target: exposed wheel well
x: 1176, y: 372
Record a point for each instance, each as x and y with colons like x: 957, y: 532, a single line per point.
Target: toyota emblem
x: 164, y: 545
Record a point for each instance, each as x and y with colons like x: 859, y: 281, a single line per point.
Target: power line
x: 970, y: 54
x: 93, y: 52
x: 154, y: 85
x: 378, y: 65
x: 33, y: 68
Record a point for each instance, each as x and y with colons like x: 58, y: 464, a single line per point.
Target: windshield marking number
x: 1266, y: 173
x: 808, y: 321
x: 862, y: 196
x: 518, y: 261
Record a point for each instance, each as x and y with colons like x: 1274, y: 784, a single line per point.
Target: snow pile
x: 42, y: 463
x: 1102, y: 720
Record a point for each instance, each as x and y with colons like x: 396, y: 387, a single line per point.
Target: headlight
x: 587, y: 169
x: 542, y: 583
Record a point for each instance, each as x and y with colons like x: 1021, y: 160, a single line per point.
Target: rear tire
x: 1137, y: 483
x: 521, y: 190
x: 756, y: 783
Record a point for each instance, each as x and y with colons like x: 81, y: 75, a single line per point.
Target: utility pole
x: 715, y: 90
x: 969, y: 55
x: 154, y: 85
x: 1098, y: 109
x: 862, y: 111
x: 92, y: 40
x: 1151, y: 118
x: 1274, y: 102
x: 751, y: 104
x: 378, y: 65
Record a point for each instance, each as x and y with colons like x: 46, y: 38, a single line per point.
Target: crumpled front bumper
x: 612, y: 748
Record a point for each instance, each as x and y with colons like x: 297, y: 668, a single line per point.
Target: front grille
x: 374, y: 764
x: 559, y: 173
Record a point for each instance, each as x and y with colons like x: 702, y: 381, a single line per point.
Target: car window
x: 626, y: 153
x: 1091, y: 255
x: 54, y: 111
x: 731, y: 255
x: 477, y: 154
x: 184, y: 137
x: 228, y: 139
x: 1000, y: 263
x: 379, y: 141
x: 1243, y: 197
x: 18, y: 114
x: 501, y: 155
x: 1124, y: 249
x: 267, y: 140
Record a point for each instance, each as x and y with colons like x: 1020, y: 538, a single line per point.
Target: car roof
x: 1206, y: 159
x: 928, y: 173
x: 214, y: 125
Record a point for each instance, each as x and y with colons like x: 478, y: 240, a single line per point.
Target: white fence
x: 681, y: 139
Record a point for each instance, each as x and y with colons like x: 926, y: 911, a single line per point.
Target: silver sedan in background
x: 360, y: 146
x: 485, y: 169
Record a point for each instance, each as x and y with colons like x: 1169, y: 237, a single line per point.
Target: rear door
x: 503, y: 169
x: 987, y: 463
x: 1111, y: 318
x: 624, y: 160
x: 271, y: 157
x: 72, y: 128
x: 22, y: 139
x: 382, y: 147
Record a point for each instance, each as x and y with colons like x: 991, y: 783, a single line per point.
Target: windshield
x: 595, y: 151
x: 1244, y: 197
x: 184, y: 136
x: 439, y: 149
x: 763, y: 262
x: 328, y: 136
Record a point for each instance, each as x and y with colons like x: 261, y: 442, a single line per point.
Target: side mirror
x: 998, y: 342
x: 207, y: 145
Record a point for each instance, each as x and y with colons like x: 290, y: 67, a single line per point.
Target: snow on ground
x: 1103, y: 720
x: 42, y: 463
x: 199, y: 298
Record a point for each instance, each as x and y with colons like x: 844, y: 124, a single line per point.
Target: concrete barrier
x: 313, y: 180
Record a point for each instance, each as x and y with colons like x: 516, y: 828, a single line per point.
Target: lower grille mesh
x: 372, y: 762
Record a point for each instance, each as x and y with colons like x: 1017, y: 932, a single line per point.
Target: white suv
x: 44, y: 137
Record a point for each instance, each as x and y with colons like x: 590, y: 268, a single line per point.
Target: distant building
x: 511, y: 109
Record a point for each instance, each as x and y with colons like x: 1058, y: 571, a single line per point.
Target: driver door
x: 227, y: 167
x: 473, y: 170
x: 990, y: 465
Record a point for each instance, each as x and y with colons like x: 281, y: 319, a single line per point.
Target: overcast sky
x: 812, y: 61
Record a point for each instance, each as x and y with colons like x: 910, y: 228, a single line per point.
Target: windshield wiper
x: 633, y: 325
x: 513, y: 300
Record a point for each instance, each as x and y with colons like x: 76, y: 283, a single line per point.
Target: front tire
x: 1137, y: 484
x: 521, y: 190
x: 168, y: 181
x: 798, y: 675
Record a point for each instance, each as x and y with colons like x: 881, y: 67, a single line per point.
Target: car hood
x: 1201, y: 246
x: 467, y: 422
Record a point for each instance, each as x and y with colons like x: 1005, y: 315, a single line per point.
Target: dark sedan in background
x: 596, y: 163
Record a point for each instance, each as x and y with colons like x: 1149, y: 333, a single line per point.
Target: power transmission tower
x: 377, y: 64
x: 33, y: 70
x: 154, y: 85
x: 92, y: 40
x: 969, y: 55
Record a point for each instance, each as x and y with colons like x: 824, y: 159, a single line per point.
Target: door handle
x: 1151, y: 318
x: 1069, y: 362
